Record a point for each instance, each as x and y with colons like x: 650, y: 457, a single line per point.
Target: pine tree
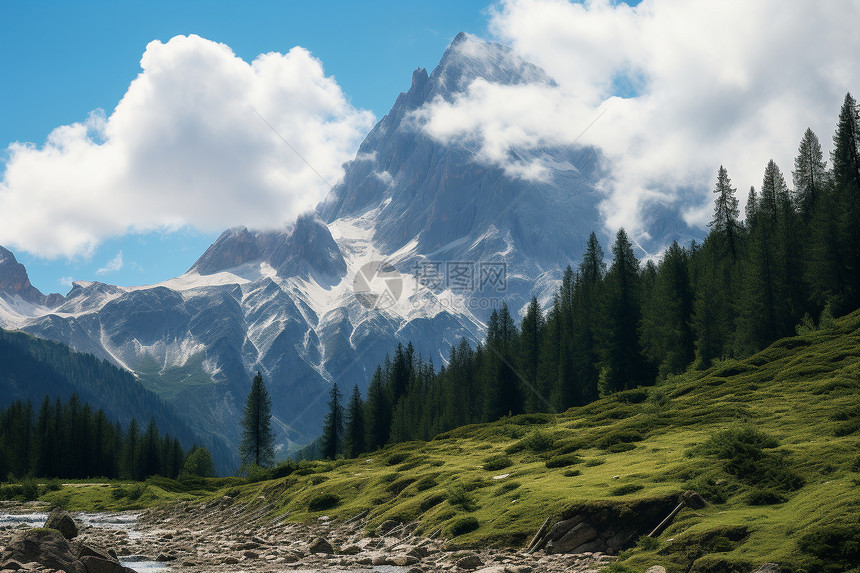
x: 625, y: 365
x: 258, y: 440
x: 726, y: 212
x: 199, y: 463
x: 809, y: 175
x: 332, y: 436
x: 377, y: 412
x: 751, y: 208
x: 530, y: 340
x: 845, y: 159
x: 354, y: 439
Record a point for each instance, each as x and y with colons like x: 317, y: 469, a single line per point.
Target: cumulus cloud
x: 188, y: 145
x: 679, y: 86
x: 112, y: 266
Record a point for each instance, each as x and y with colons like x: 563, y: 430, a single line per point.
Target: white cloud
x: 714, y: 82
x: 67, y: 281
x: 184, y: 147
x: 112, y: 265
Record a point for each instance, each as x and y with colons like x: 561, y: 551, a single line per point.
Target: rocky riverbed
x: 229, y: 536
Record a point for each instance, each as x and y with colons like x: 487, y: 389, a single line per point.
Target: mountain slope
x: 771, y: 442
x: 31, y: 368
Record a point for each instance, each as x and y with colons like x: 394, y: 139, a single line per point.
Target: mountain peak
x: 15, y: 281
x: 307, y: 246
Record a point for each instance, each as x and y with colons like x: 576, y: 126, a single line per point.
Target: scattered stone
x: 386, y: 526
x: 656, y: 569
x: 230, y: 561
x: 251, y: 554
x: 768, y: 568
x: 469, y: 562
x: 60, y: 520
x: 320, y: 545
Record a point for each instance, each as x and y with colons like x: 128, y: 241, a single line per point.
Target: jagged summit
x: 14, y: 282
x: 306, y: 247
x: 446, y: 197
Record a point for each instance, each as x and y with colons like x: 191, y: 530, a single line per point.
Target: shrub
x: 397, y: 486
x: 623, y: 436
x: 536, y: 442
x: 837, y: 545
x: 54, y: 485
x: 29, y: 489
x: 323, y: 501
x: 458, y: 496
x: 563, y: 461
x: 744, y: 457
x: 396, y: 458
x: 432, y: 501
x: 284, y: 469
x: 594, y: 462
x: 463, y: 525
x: 765, y: 497
x: 620, y: 447
x: 626, y: 489
x: 425, y: 483
x: 572, y: 473
x: 495, y: 463
x: 135, y: 491
x: 506, y: 487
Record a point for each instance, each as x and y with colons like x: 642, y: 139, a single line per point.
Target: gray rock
x: 47, y: 547
x: 61, y: 521
x: 320, y: 545
x: 469, y: 562
x: 578, y: 535
x: 656, y: 569
x: 562, y: 527
x: 768, y: 568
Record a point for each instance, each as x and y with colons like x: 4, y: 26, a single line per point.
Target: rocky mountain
x: 419, y: 242
x: 15, y: 288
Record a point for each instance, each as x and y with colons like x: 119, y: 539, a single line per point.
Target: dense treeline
x: 794, y: 257
x: 32, y: 367
x: 69, y: 440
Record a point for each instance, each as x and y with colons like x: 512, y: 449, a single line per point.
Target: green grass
x: 769, y: 441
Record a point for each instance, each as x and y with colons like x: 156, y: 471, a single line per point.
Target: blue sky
x: 61, y: 60
x: 134, y: 193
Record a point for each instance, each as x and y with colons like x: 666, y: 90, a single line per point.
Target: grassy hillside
x: 772, y: 442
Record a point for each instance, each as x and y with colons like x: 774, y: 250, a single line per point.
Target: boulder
x: 45, y: 546
x: 10, y: 565
x: 469, y: 562
x: 94, y: 564
x: 320, y: 545
x: 562, y: 527
x: 768, y: 568
x: 656, y: 569
x: 576, y: 536
x: 60, y: 520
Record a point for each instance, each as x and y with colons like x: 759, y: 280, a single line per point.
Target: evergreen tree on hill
x: 258, y: 440
x: 332, y: 436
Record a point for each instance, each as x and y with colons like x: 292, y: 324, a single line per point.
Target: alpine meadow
x: 582, y: 295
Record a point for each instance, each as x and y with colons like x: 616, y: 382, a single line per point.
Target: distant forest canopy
x: 793, y: 260
x: 69, y: 440
x: 31, y: 367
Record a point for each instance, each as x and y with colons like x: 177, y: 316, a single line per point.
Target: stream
x: 121, y: 521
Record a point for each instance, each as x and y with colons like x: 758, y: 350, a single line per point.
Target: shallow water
x: 137, y: 562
